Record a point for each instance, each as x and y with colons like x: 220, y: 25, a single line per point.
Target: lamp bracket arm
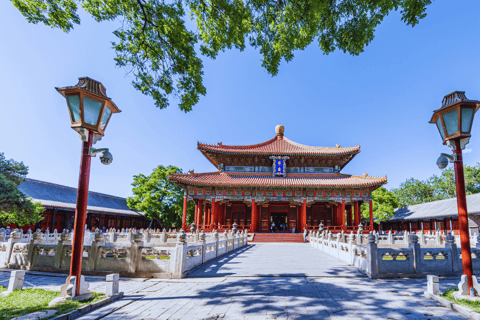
x: 93, y: 152
x: 452, y: 157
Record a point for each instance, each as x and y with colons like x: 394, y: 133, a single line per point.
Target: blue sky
x: 382, y: 100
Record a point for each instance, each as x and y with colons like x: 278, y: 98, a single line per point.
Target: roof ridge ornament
x: 279, y: 130
x: 364, y: 175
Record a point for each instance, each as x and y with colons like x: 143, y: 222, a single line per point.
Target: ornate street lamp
x: 454, y: 122
x: 90, y: 112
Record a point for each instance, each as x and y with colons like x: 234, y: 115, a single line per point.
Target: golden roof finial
x: 191, y: 172
x: 364, y: 175
x: 337, y: 146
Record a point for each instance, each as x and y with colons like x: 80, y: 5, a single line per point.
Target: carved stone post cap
x: 181, y: 237
x: 451, y: 239
x: 193, y: 227
x: 413, y: 238
x: 371, y: 238
x: 202, y: 236
x: 137, y: 237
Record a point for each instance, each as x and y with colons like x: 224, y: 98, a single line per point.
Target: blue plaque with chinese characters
x: 279, y: 167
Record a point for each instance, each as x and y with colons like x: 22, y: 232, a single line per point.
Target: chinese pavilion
x: 293, y: 185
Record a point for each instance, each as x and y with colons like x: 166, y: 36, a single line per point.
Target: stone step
x: 278, y: 237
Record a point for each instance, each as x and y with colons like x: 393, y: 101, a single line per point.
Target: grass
x: 155, y: 257
x: 26, y: 301
x: 472, y: 305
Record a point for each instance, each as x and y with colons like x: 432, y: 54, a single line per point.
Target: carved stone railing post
x: 164, y: 235
x: 135, y: 251
x: 15, y: 237
x: 215, y: 238
x: 450, y: 243
x: 98, y: 241
x: 3, y: 234
x: 234, y: 228
x: 415, y: 246
x: 179, y: 258
x: 202, y: 241
x: 372, y: 257
x: 59, y: 254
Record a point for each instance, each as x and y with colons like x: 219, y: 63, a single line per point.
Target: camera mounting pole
x: 93, y: 152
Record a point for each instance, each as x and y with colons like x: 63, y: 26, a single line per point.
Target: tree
x: 414, y: 191
x: 156, y: 46
x: 159, y: 198
x: 384, y: 203
x: 14, y: 206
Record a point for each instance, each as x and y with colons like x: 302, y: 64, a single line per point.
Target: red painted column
x: 342, y: 215
x: 200, y: 214
x: 206, y: 223
x: 304, y: 215
x: 253, y: 227
x: 214, y: 213
x: 195, y: 219
x: 81, y: 212
x: 370, y: 204
x: 463, y: 215
x: 357, y: 213
x: 349, y: 216
x: 184, y: 217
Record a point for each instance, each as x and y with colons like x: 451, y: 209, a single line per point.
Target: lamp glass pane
x: 106, y: 115
x: 451, y: 121
x: 467, y: 116
x: 440, y: 128
x: 74, y: 106
x: 91, y: 110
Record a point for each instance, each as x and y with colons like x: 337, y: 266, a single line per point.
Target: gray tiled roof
x: 58, y: 196
x: 437, y: 209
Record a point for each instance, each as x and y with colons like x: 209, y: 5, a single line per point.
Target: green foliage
x: 384, y: 204
x: 14, y: 206
x: 21, y: 302
x: 158, y: 197
x: 157, y: 48
x: 414, y: 191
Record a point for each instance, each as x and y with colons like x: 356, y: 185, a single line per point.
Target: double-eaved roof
x: 237, y: 179
x: 279, y: 146
x: 437, y: 209
x: 52, y: 195
x: 310, y: 167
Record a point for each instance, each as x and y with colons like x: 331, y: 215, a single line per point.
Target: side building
x: 278, y: 181
x: 436, y: 215
x: 103, y: 211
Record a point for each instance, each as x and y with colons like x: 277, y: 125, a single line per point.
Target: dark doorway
x: 280, y: 221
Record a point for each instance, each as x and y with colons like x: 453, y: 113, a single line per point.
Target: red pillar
x: 342, y: 215
x: 206, y: 222
x: 184, y: 217
x: 200, y: 213
x: 349, y: 216
x: 463, y: 214
x: 253, y: 227
x: 370, y: 204
x: 214, y: 215
x: 195, y: 219
x: 357, y: 213
x: 304, y: 215
x: 81, y: 212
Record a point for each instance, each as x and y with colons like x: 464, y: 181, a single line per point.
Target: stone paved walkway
x: 243, y: 296
x: 277, y: 259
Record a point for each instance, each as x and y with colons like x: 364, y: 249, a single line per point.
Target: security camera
x: 442, y: 162
x: 106, y: 158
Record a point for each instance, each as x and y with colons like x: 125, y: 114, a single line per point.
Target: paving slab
x: 276, y: 259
